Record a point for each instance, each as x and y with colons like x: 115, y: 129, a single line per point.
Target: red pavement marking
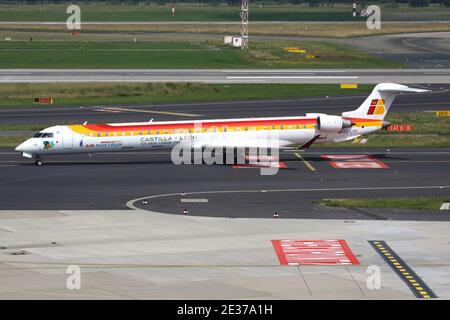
x: 314, y: 252
x: 354, y: 161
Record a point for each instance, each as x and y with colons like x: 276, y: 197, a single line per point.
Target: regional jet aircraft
x: 290, y: 132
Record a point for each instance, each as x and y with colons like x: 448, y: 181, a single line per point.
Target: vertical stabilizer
x: 379, y: 101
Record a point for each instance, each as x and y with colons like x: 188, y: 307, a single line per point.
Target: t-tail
x: 377, y: 104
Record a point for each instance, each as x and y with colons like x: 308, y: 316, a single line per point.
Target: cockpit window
x: 43, y: 135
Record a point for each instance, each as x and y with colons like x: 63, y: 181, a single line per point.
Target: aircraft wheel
x: 38, y: 163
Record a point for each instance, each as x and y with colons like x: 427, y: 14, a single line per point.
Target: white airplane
x: 300, y: 132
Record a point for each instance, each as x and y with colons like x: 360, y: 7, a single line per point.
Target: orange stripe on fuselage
x: 108, y: 128
x: 187, y: 125
x: 365, y: 122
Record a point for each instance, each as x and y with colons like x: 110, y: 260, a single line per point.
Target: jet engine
x: 332, y: 123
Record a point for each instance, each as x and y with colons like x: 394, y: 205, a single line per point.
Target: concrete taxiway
x: 225, y: 75
x: 149, y: 255
x: 415, y: 50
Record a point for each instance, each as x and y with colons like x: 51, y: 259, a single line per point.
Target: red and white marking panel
x: 314, y: 252
x: 354, y: 161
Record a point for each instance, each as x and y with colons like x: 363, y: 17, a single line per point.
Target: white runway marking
x: 152, y: 111
x: 193, y: 200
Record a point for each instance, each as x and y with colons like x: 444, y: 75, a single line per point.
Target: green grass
x: 171, y: 55
x: 96, y: 12
x: 101, y: 12
x: 430, y: 131
x: 19, y: 95
x: 424, y: 122
x: 49, y: 54
x: 413, y: 203
x: 12, y: 141
x: 22, y: 127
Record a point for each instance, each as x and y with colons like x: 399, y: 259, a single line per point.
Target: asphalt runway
x: 109, y: 181
x: 437, y: 99
x: 415, y: 50
x: 225, y: 75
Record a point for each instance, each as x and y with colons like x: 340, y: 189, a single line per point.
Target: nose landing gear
x: 38, y: 162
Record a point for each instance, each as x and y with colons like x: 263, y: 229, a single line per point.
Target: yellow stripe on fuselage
x: 82, y: 130
x: 368, y: 124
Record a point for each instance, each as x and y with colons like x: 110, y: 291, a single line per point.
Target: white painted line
x: 290, y: 77
x: 283, y: 71
x: 152, y: 111
x: 193, y: 200
x: 14, y: 73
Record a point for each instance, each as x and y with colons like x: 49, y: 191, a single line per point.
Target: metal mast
x: 244, y: 24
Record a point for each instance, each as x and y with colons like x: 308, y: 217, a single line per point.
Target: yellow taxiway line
x: 307, y: 164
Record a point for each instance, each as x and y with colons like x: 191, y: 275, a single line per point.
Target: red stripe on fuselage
x: 184, y: 125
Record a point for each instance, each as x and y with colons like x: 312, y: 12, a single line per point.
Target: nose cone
x: 20, y: 147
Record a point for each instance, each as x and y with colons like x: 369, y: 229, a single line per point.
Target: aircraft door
x: 67, y: 138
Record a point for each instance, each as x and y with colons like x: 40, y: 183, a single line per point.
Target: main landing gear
x: 38, y: 162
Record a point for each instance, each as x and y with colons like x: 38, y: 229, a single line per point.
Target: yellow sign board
x: 294, y: 50
x: 443, y: 113
x: 349, y: 86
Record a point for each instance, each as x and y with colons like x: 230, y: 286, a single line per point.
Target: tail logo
x: 376, y: 107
